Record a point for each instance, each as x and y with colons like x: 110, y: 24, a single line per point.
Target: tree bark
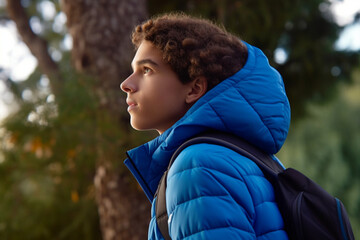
x: 101, y: 32
x: 101, y: 47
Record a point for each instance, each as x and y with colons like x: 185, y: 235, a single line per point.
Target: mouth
x: 131, y: 105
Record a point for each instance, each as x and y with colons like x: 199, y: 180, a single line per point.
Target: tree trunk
x: 101, y: 32
x: 101, y: 47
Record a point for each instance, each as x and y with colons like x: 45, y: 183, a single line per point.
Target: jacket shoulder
x: 216, y: 158
x: 228, y: 168
x: 207, y: 177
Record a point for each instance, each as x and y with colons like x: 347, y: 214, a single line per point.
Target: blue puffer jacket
x: 213, y: 192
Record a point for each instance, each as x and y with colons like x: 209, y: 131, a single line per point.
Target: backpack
x: 309, y: 212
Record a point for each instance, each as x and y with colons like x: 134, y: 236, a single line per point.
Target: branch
x: 4, y: 19
x: 37, y: 46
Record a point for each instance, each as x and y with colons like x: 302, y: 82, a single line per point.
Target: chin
x: 138, y: 127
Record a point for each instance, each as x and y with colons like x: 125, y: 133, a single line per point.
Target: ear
x: 197, y: 88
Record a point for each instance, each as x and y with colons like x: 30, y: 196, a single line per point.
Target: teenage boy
x: 191, y: 76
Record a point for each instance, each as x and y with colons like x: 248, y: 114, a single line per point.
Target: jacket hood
x: 251, y: 104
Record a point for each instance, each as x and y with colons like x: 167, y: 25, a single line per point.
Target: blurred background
x: 64, y: 126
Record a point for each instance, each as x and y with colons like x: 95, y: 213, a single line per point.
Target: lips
x: 131, y: 104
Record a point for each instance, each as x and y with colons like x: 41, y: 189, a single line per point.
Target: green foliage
x: 47, y: 167
x: 325, y: 146
x: 49, y: 148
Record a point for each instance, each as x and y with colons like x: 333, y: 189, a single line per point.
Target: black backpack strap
x: 160, y: 207
x: 264, y: 161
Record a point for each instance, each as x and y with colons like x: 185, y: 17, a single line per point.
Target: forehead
x: 147, y: 53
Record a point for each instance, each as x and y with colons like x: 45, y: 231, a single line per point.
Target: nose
x: 128, y: 85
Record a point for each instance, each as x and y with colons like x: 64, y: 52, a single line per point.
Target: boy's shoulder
x: 216, y: 158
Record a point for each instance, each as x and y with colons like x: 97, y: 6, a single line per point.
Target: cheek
x: 160, y: 105
x: 162, y: 95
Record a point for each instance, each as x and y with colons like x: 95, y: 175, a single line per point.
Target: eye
x: 146, y: 70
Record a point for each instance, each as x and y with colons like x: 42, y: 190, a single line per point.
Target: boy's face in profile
x: 155, y: 94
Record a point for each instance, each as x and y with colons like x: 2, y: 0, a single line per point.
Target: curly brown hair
x: 193, y: 47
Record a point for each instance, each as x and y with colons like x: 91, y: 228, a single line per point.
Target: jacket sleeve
x: 207, y: 195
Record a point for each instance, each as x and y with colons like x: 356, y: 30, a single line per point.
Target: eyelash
x: 146, y: 70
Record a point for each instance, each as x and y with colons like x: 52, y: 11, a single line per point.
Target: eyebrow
x: 146, y: 61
